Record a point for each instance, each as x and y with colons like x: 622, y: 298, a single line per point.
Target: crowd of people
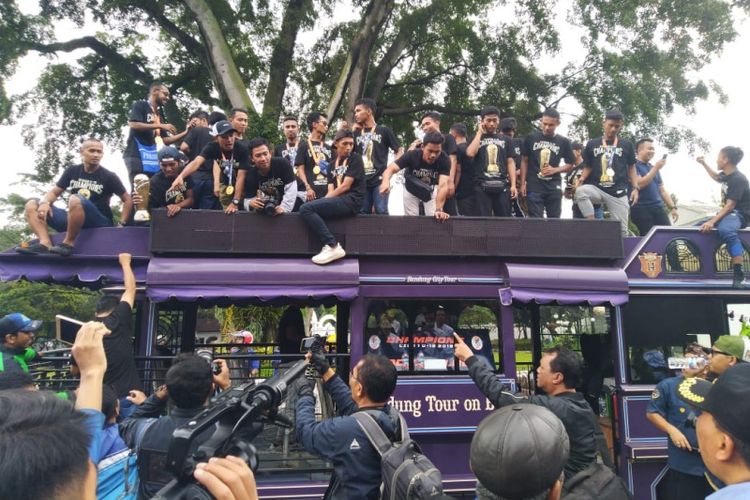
x: 211, y: 165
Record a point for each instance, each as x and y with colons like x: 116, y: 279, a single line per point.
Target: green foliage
x: 43, y: 301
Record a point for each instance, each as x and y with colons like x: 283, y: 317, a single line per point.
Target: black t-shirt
x: 160, y: 195
x: 353, y: 167
x: 413, y: 164
x: 491, y: 161
x: 315, y: 171
x: 271, y: 186
x: 465, y: 186
x: 289, y: 153
x: 238, y: 159
x: 143, y: 113
x: 555, y: 149
x: 516, y: 149
x: 373, y: 145
x: 735, y: 187
x: 121, y: 373
x: 196, y: 139
x: 616, y: 158
x: 97, y: 186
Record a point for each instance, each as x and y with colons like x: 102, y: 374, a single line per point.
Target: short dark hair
x: 91, y: 138
x: 551, y: 113
x: 489, y: 110
x: 733, y: 154
x: 743, y: 448
x: 15, y: 379
x: 433, y: 138
x: 577, y: 146
x: 644, y: 140
x: 256, y: 143
x: 237, y: 110
x: 189, y: 381
x: 290, y: 118
x: 43, y: 446
x: 155, y: 85
x: 216, y: 116
x: 312, y: 118
x: 460, y: 129
x: 508, y: 123
x: 568, y: 363
x: 106, y: 303
x: 614, y: 114
x: 367, y: 101
x: 343, y: 133
x: 378, y: 377
x: 200, y: 114
x: 431, y: 114
x: 109, y: 402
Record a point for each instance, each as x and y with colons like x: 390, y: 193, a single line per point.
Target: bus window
x: 682, y: 256
x: 417, y: 335
x: 657, y: 327
x: 724, y: 262
x: 522, y: 335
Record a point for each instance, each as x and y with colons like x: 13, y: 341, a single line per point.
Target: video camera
x: 314, y: 343
x: 233, y: 409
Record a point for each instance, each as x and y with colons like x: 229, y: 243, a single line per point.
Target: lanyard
x: 610, y: 157
x: 231, y: 166
x: 312, y: 151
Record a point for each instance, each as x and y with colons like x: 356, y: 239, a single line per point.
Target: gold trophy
x: 543, y: 162
x: 367, y: 159
x: 225, y: 195
x: 142, y: 187
x: 492, y: 166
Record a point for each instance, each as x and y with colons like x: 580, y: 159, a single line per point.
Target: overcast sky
x: 720, y: 125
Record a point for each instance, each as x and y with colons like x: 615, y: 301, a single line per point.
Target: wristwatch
x: 235, y: 202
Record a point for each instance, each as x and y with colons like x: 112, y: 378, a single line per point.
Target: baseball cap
x: 727, y: 400
x: 519, y: 441
x: 734, y: 345
x: 222, y: 127
x: 17, y: 322
x: 168, y: 153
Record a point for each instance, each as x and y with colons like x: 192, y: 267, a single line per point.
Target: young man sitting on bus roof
x: 91, y: 186
x: 558, y: 375
x: 341, y: 440
x: 161, y: 194
x: 735, y: 211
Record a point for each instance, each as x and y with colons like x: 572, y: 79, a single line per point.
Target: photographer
x: 189, y: 384
x: 270, y: 182
x: 341, y: 440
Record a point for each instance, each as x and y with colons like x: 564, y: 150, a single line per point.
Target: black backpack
x: 407, y: 473
x: 595, y: 482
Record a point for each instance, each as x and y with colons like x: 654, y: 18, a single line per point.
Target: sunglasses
x: 716, y: 351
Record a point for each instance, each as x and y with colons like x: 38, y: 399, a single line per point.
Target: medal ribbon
x: 231, y: 166
x: 610, y: 157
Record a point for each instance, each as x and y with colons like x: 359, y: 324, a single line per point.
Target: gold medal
x: 316, y: 170
x: 230, y: 190
x: 610, y: 172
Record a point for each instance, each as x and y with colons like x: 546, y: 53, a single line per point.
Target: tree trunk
x: 389, y: 61
x: 228, y: 78
x: 282, y: 57
x: 354, y: 74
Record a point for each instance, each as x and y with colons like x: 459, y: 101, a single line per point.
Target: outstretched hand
x: 462, y: 351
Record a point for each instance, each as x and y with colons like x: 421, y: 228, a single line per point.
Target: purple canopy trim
x: 192, y: 293
x: 564, y: 285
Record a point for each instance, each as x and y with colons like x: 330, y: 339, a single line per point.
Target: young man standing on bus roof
x: 288, y: 151
x: 611, y: 161
x: 465, y: 199
x: 735, y: 211
x: 508, y: 128
x: 649, y: 211
x: 685, y: 478
x: 91, y: 186
x: 314, y: 158
x: 430, y: 123
x: 559, y: 373
x: 546, y: 155
x: 373, y: 142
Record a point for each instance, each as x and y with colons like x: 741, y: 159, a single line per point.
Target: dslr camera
x: 208, y: 355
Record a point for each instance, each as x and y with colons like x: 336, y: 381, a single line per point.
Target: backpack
x: 595, y: 482
x: 407, y: 473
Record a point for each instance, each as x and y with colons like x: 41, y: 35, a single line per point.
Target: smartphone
x: 66, y: 328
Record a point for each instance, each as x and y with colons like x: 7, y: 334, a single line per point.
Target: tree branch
x: 426, y: 79
x: 430, y: 107
x: 157, y: 15
x: 110, y: 55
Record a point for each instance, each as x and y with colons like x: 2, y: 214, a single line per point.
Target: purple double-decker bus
x: 510, y: 287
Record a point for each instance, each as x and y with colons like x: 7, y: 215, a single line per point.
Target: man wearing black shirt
x: 427, y: 173
x: 270, y: 184
x: 430, y: 123
x: 735, y: 213
x: 198, y: 134
x: 117, y: 316
x: 160, y: 194
x: 288, y: 151
x: 545, y: 156
x: 203, y: 183
x: 91, y: 186
x: 148, y: 130
x: 465, y: 197
x: 373, y: 142
x: 238, y: 117
x: 494, y: 167
x: 230, y: 161
x: 346, y: 188
x: 314, y: 157
x: 610, y: 160
x: 508, y: 127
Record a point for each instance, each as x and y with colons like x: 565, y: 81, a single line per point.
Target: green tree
x: 642, y: 56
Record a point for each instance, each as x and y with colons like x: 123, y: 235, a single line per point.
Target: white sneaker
x: 329, y: 254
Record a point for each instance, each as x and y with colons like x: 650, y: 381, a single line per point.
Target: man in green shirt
x: 17, y: 333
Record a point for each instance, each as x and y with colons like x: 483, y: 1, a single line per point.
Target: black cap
x: 519, y: 451
x: 222, y: 128
x: 727, y: 400
x: 168, y: 153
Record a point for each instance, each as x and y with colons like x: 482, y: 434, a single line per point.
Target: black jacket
x: 571, y: 408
